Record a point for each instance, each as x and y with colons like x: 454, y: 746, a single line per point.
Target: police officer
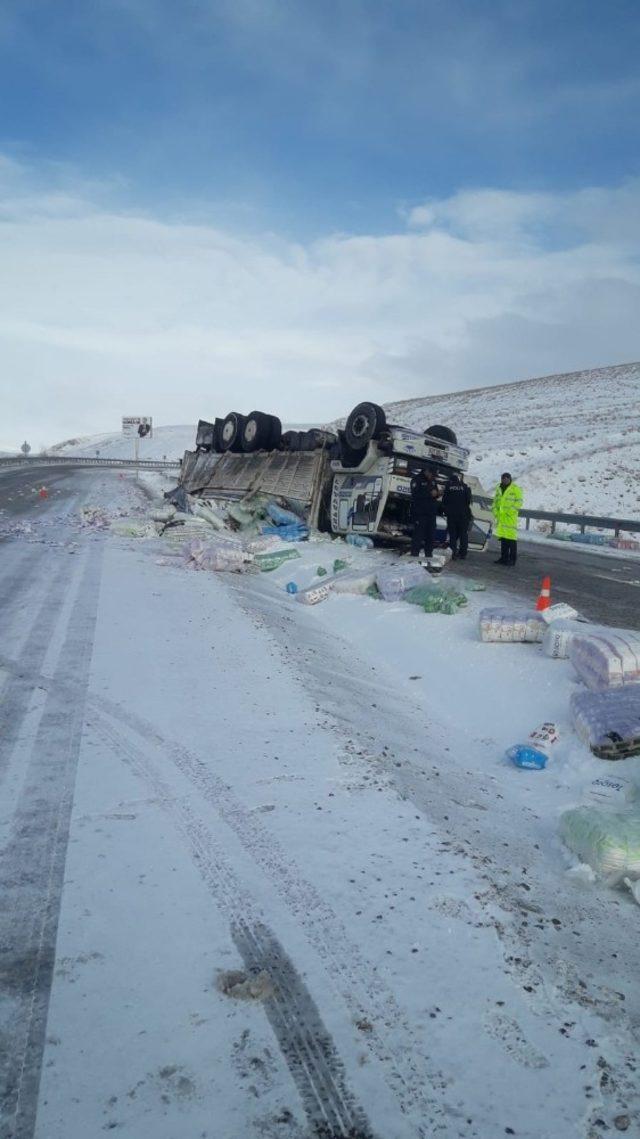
x: 456, y: 503
x: 424, y: 509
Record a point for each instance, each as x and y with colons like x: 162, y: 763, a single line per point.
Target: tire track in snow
x: 32, y: 867
x: 410, y: 1074
x: 305, y: 1043
x: 16, y: 695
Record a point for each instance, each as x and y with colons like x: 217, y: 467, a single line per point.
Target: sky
x: 293, y: 205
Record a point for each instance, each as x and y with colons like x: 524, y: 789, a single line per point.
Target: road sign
x: 137, y: 426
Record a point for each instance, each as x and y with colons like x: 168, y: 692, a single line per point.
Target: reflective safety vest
x: 506, y: 504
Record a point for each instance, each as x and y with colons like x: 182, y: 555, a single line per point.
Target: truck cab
x: 374, y: 495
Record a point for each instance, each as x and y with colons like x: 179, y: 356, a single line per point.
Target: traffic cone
x: 544, y: 600
x: 43, y: 492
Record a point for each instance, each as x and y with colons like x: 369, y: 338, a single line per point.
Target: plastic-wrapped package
x: 163, y: 513
x: 280, y: 516
x: 497, y: 624
x: 223, y: 555
x: 608, y: 841
x: 313, y: 594
x: 394, y: 581
x: 436, y: 598
x: 609, y: 722
x: 353, y: 581
x: 607, y: 659
x: 183, y: 527
x: 203, y: 510
x: 558, y: 636
x: 292, y: 532
x: 271, y: 561
x: 133, y: 529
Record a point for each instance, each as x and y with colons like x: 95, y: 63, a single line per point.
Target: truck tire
x: 205, y: 436
x: 275, y: 435
x: 217, y: 435
x: 367, y: 421
x: 294, y: 441
x: 231, y: 432
x: 349, y: 456
x: 256, y: 432
x: 444, y: 433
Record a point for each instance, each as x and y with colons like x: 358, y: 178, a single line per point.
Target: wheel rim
x: 250, y: 431
x: 228, y: 431
x: 360, y: 426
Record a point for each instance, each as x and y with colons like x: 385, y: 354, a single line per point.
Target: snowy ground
x: 313, y: 794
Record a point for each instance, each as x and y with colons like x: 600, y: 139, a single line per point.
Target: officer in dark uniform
x: 424, y: 509
x: 456, y: 503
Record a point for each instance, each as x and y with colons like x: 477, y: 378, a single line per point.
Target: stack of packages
x: 607, y: 659
x: 511, y: 625
x: 609, y: 722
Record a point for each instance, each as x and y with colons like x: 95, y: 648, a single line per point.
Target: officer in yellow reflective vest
x: 507, y: 502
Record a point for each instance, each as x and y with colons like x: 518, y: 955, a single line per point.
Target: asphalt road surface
x: 601, y: 587
x: 20, y: 487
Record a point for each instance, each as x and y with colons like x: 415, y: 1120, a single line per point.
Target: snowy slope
x: 167, y: 442
x: 572, y: 441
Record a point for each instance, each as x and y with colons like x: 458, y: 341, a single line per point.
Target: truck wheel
x: 205, y: 436
x: 366, y: 422
x: 349, y: 456
x: 275, y: 436
x: 444, y: 433
x: 256, y: 432
x: 294, y: 441
x: 231, y: 432
x: 217, y: 435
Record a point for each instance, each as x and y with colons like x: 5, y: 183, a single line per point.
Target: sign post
x: 137, y: 427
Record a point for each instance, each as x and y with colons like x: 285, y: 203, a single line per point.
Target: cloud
x: 104, y: 312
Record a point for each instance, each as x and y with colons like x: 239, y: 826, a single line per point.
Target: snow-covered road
x: 201, y: 778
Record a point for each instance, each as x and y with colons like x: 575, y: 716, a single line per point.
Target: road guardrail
x: 82, y: 461
x: 594, y: 521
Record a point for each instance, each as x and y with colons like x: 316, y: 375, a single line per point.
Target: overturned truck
x: 356, y: 480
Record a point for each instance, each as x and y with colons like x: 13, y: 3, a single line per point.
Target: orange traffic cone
x: 43, y: 492
x: 544, y: 600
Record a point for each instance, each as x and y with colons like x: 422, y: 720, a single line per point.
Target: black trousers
x: 458, y: 536
x: 424, y: 534
x: 509, y: 551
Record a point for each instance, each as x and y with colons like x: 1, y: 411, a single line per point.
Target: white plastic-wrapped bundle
x: 313, y: 594
x: 163, y: 513
x: 607, y: 659
x: 498, y: 624
x: 609, y: 841
x: 609, y: 722
x: 222, y: 555
x: 353, y: 581
x: 558, y: 636
x: 183, y: 527
x: 394, y: 581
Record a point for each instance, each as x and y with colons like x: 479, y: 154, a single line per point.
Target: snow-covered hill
x: 572, y: 441
x: 167, y: 443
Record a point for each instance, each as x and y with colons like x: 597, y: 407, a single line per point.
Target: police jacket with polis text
x: 456, y: 501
